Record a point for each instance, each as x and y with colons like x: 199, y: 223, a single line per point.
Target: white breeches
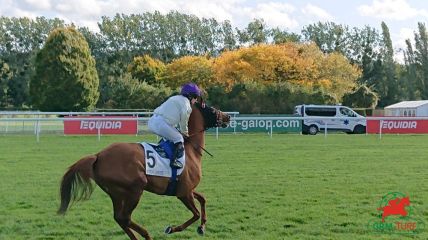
x: 158, y: 126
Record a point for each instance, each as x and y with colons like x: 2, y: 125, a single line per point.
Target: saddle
x: 158, y: 158
x: 165, y: 149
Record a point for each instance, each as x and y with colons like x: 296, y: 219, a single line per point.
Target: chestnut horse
x: 119, y: 170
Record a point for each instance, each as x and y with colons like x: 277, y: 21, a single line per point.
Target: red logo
x: 129, y: 125
x: 396, y: 215
x: 395, y: 206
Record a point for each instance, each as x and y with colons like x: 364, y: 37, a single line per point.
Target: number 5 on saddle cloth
x: 158, y: 158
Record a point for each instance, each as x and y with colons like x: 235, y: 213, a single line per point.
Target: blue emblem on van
x: 346, y: 122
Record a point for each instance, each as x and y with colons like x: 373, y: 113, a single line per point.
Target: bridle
x: 218, y: 122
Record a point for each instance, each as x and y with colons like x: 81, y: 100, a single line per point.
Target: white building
x: 408, y: 109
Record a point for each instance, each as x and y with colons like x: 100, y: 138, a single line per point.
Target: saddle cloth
x: 158, y: 162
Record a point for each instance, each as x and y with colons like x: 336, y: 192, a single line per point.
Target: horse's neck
x: 196, y: 129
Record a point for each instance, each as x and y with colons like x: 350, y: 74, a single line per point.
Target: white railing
x: 71, y: 113
x: 34, y: 124
x: 37, y: 122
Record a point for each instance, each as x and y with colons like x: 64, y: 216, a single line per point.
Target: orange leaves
x: 341, y: 75
x: 197, y: 69
x: 301, y: 64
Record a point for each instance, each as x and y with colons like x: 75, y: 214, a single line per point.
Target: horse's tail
x: 76, y: 183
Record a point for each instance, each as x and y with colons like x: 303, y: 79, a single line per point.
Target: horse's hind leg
x: 189, y: 202
x: 202, y: 201
x: 123, y: 208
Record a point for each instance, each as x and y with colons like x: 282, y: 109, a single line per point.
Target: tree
x: 256, y: 32
x: 410, y: 75
x: 387, y: 83
x: 362, y: 97
x: 228, y: 35
x: 5, y: 76
x: 275, y: 98
x: 329, y: 37
x: 65, y: 75
x: 279, y: 36
x: 421, y: 57
x: 296, y: 63
x: 146, y: 69
x: 337, y: 76
x: 129, y: 93
x: 188, y: 69
x: 20, y: 39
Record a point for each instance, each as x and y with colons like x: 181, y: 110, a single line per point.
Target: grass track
x: 287, y: 187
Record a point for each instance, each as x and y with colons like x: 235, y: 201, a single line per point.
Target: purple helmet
x: 190, y: 89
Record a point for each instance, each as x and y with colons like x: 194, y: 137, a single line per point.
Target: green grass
x: 257, y: 187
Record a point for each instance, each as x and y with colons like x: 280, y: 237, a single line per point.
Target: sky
x: 401, y: 16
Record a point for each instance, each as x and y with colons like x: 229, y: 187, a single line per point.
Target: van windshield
x: 347, y: 112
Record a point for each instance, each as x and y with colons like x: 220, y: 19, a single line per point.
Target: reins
x: 195, y: 145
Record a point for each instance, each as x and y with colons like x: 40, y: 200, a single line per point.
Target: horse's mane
x: 209, y: 114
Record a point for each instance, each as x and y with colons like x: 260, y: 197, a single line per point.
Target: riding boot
x: 178, y: 153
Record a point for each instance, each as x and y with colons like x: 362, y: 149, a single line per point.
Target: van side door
x: 347, y: 118
x: 320, y: 116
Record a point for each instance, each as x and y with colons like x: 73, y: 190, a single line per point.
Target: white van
x: 334, y: 117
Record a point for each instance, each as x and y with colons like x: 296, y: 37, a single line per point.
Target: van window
x: 347, y: 112
x: 323, y: 112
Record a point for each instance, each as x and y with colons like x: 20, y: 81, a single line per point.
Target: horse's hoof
x: 201, y: 230
x: 168, y: 230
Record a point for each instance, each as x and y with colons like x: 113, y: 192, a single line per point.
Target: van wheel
x: 313, y: 130
x: 359, y: 129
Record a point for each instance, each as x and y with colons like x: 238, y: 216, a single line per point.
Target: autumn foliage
x: 301, y: 64
x: 298, y: 64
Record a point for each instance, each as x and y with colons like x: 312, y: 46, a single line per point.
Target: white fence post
x: 37, y: 131
x: 325, y: 130
x: 99, y: 133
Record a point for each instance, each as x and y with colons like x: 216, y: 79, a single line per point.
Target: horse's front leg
x: 189, y: 202
x: 202, y: 201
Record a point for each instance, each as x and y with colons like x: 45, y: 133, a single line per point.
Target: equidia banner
x: 107, y: 126
x: 397, y: 126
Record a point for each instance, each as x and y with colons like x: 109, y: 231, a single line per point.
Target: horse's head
x: 213, y: 117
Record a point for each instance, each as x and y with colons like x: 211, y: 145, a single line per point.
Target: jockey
x: 175, y: 111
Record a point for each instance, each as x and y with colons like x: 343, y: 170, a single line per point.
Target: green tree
x: 65, y: 75
x: 362, y: 97
x: 5, y: 76
x: 421, y: 57
x: 20, y: 39
x: 279, y: 36
x: 410, y: 75
x: 129, y: 93
x: 229, y: 36
x: 256, y: 32
x: 387, y: 84
x: 275, y: 98
x: 146, y: 69
x: 329, y: 37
